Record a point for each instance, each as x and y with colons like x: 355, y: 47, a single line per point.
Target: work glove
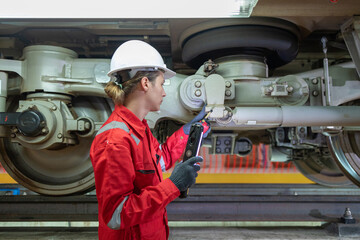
x: 198, y: 118
x: 185, y: 173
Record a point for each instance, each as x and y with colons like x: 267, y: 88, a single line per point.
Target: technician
x: 128, y: 161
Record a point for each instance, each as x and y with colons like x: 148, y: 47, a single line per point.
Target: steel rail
x: 204, y: 203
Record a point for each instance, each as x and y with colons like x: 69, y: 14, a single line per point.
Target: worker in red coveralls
x: 128, y: 161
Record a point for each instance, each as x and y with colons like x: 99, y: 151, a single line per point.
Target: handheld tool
x: 194, y: 143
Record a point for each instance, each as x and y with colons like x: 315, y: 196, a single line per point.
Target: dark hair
x: 118, y: 94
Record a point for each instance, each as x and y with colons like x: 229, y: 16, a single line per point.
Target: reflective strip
x: 162, y: 164
x: 115, y: 220
x: 112, y: 125
x: 136, y: 139
x: 121, y: 125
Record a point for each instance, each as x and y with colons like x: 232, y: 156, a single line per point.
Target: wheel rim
x: 345, y: 148
x: 322, y: 169
x: 56, y: 172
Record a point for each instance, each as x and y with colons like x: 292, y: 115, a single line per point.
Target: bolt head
x: 315, y: 81
x: 198, y: 93
x: 228, y: 93
x: 228, y: 84
x: 198, y: 84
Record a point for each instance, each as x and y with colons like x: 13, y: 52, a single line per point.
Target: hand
x: 198, y: 118
x: 185, y: 173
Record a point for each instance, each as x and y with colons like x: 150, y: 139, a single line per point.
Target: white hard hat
x: 136, y: 55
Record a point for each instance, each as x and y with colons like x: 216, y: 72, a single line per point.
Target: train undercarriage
x: 52, y: 101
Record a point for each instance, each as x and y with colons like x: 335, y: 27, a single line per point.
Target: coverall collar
x: 132, y: 120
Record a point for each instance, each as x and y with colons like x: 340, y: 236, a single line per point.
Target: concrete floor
x: 189, y: 234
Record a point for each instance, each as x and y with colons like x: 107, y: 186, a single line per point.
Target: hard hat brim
x: 167, y: 72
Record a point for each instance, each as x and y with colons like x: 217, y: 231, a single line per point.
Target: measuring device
x: 194, y: 143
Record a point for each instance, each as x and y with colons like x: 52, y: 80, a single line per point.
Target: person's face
x: 156, y: 93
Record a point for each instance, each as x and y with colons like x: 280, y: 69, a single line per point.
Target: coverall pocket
x: 145, y: 177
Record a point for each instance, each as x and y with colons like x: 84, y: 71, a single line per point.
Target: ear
x: 145, y: 84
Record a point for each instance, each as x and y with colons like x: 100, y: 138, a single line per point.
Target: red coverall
x: 128, y: 163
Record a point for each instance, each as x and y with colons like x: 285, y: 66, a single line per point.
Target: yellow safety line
x: 226, y: 178
x: 5, y: 178
x: 250, y: 178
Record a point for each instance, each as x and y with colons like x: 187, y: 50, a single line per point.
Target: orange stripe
x: 204, y: 162
x: 253, y: 163
x: 247, y: 163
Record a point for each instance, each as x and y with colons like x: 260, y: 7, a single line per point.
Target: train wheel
x: 345, y: 148
x: 320, y: 168
x: 57, y: 171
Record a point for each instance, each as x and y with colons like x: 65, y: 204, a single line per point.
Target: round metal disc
x: 322, y: 169
x: 60, y: 171
x: 345, y: 148
x: 269, y: 38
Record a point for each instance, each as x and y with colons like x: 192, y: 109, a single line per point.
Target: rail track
x: 207, y: 202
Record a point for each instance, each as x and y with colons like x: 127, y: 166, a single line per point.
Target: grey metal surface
x: 221, y: 202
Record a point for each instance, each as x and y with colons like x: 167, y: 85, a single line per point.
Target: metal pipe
x: 288, y: 116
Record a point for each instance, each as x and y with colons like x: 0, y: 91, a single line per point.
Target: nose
x: 163, y: 93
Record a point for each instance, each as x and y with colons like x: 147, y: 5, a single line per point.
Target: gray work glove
x: 197, y: 118
x: 185, y: 173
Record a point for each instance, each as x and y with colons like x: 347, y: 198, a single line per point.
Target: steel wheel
x: 345, y: 148
x: 321, y: 168
x: 61, y: 171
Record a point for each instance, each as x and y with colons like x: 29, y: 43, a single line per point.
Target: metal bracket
x: 351, y: 33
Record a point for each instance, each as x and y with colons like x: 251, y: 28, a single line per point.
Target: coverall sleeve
x: 118, y: 176
x: 172, y: 149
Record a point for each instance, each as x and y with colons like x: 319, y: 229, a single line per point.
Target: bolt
x: 59, y: 135
x: 315, y: 81
x: 289, y: 89
x: 227, y: 142
x: 227, y: 150
x: 218, y: 150
x: 14, y: 130
x: 197, y: 84
x: 44, y: 130
x: 270, y: 89
x: 315, y: 93
x: 42, y: 123
x: 302, y: 130
x: 31, y: 106
x: 87, y: 125
x: 198, y: 93
x: 13, y: 135
x: 228, y: 93
x: 54, y: 108
x: 226, y: 113
x: 347, y: 218
x: 218, y: 142
x: 228, y: 84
